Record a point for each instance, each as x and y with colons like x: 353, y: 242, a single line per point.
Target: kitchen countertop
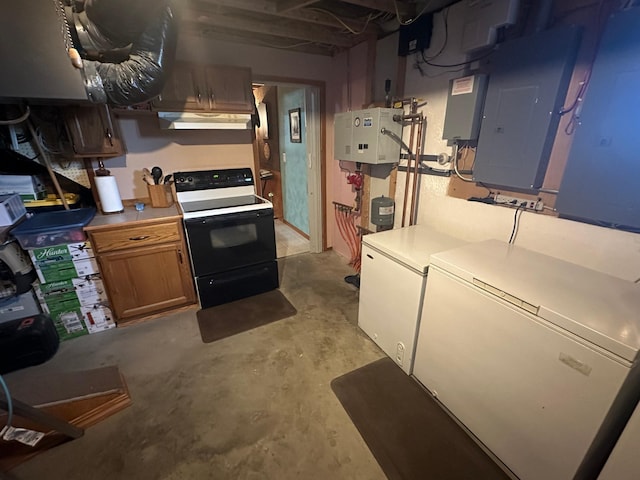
x: 131, y: 215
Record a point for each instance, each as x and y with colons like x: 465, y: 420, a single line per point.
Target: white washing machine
x: 392, y: 279
x: 537, y: 357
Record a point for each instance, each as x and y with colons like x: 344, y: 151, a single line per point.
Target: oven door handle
x: 265, y: 212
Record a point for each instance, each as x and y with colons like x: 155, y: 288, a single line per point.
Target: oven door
x: 224, y: 242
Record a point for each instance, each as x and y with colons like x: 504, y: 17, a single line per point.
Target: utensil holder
x: 160, y: 195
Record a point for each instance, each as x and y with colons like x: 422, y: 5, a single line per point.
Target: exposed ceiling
x: 323, y: 27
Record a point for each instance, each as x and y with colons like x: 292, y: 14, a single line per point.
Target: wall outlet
x: 400, y: 353
x: 535, y: 205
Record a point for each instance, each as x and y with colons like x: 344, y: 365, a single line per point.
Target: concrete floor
x: 254, y: 406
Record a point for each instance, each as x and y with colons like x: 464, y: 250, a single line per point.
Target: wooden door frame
x: 322, y: 95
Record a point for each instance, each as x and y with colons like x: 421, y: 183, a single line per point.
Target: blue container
x: 54, y: 228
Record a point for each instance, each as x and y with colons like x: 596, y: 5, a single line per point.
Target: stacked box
x: 64, y: 262
x: 71, y: 290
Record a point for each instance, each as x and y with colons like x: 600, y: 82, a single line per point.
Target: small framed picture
x: 295, y: 127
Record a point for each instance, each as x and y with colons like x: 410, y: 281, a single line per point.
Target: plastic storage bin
x: 53, y: 228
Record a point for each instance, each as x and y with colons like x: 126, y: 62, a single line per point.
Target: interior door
x: 294, y: 160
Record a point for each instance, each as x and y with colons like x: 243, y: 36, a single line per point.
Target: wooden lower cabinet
x: 143, y: 278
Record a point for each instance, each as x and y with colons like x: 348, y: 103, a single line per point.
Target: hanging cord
x: 516, y: 223
x: 9, y: 401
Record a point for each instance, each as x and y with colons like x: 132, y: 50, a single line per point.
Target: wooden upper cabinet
x: 184, y: 90
x: 206, y: 88
x: 229, y: 89
x: 93, y: 131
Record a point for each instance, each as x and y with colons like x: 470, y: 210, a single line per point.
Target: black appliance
x: 230, y: 233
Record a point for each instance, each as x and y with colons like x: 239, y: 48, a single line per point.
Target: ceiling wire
x: 411, y: 20
x: 351, y: 30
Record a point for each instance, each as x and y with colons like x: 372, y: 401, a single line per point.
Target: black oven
x: 233, y: 255
x: 231, y: 234
x: 224, y: 242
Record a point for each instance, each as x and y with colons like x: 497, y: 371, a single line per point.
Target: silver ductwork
x: 126, y: 47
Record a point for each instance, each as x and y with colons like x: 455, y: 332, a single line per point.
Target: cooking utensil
x: 167, y: 179
x: 156, y: 173
x: 146, y: 177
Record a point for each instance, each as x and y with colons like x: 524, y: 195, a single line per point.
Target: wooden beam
x: 388, y: 6
x: 301, y: 32
x: 290, y: 5
x: 308, y: 15
x: 230, y: 36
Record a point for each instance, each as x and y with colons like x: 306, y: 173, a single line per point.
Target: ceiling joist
x: 283, y: 6
x: 322, y: 26
x: 291, y: 30
x: 313, y: 15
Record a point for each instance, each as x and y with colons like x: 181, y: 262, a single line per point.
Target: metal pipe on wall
x: 416, y: 169
x: 406, y: 180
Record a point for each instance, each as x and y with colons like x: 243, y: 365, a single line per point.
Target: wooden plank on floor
x: 91, y: 396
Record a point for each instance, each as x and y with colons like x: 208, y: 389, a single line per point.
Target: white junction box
x: 11, y: 209
x: 368, y: 136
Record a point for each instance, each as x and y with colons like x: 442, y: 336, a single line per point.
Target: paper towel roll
x: 109, y: 194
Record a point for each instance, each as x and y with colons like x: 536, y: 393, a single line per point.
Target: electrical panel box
x: 482, y: 20
x: 600, y: 181
x: 528, y: 86
x: 416, y: 36
x: 464, y: 107
x: 368, y: 136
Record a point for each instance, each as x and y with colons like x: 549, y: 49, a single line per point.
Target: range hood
x: 204, y: 121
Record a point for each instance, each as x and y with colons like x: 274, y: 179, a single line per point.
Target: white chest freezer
x: 537, y: 357
x: 392, y: 279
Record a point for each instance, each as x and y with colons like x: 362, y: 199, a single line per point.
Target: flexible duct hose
x: 141, y: 76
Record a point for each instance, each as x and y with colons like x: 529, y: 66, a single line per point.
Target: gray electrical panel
x: 368, y: 136
x: 527, y: 89
x: 464, y: 107
x: 600, y: 181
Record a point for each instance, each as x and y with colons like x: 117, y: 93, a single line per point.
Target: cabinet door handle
x: 212, y: 97
x: 369, y: 256
x: 180, y: 256
x: 109, y: 136
x: 141, y: 237
x: 198, y: 95
x: 109, y: 130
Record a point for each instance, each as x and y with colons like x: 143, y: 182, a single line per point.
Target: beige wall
x: 599, y: 248
x: 148, y: 146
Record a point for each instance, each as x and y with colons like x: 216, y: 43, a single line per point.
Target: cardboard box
x: 67, y: 318
x: 65, y: 251
x: 98, y: 318
x: 66, y: 270
x: 88, y: 291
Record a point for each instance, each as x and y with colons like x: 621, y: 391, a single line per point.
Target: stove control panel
x: 211, y: 179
